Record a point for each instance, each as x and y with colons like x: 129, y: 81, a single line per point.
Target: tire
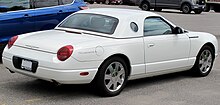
x: 107, y: 2
x: 158, y: 9
x: 204, y: 62
x: 98, y: 2
x: 198, y: 11
x: 120, y: 3
x: 111, y: 83
x: 207, y: 8
x: 2, y: 46
x: 186, y: 8
x: 145, y: 6
x: 217, y: 9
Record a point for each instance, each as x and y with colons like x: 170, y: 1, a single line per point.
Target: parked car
x: 108, y: 47
x: 212, y: 5
x: 90, y: 1
x: 38, y: 15
x: 186, y: 6
x: 131, y: 2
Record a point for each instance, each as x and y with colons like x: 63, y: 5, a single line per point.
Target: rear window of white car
x: 91, y: 22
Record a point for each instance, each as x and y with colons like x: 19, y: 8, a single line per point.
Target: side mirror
x: 177, y: 30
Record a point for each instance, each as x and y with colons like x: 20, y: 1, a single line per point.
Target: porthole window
x: 134, y: 26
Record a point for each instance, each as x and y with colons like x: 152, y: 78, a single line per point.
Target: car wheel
x: 207, y: 8
x: 158, y: 9
x: 120, y: 3
x: 107, y: 2
x: 217, y: 9
x: 198, y: 11
x: 204, y: 62
x: 186, y: 8
x: 112, y: 77
x: 145, y: 6
x: 98, y: 2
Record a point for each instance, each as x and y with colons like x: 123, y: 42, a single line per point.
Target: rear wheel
x: 107, y: 2
x: 112, y: 77
x: 207, y: 8
x: 204, y: 62
x: 186, y: 8
x: 217, y: 9
x: 145, y: 6
x: 2, y: 46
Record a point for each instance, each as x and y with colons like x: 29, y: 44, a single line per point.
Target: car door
x: 15, y: 22
x: 168, y: 3
x: 47, y: 14
x: 163, y: 49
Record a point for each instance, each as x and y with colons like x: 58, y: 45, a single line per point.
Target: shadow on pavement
x: 44, y: 88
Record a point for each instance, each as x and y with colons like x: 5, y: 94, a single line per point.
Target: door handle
x: 151, y: 45
x: 60, y: 11
x: 26, y: 15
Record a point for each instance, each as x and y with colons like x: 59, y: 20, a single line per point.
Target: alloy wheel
x: 114, y: 76
x: 205, y: 61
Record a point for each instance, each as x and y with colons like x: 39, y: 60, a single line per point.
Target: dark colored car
x: 186, y: 6
x: 42, y: 15
x: 131, y: 2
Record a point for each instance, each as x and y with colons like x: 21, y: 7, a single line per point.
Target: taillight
x: 65, y: 52
x: 84, y: 8
x: 12, y: 41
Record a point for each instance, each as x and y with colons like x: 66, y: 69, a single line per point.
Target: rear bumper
x: 51, y: 74
x: 198, y: 7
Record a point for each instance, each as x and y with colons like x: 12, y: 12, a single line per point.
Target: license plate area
x: 25, y: 64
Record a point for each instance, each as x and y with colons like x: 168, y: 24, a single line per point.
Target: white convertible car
x: 108, y: 47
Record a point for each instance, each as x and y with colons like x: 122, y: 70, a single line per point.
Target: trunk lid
x: 52, y: 40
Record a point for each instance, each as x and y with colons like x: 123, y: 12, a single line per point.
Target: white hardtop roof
x: 119, y: 13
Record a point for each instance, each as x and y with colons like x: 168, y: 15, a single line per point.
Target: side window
x: 156, y: 26
x: 14, y: 5
x: 45, y: 3
x: 63, y: 2
x: 134, y: 26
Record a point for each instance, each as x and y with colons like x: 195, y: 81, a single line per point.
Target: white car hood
x: 52, y: 40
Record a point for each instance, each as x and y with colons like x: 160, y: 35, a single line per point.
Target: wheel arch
x: 143, y: 2
x: 122, y: 56
x: 210, y: 45
x: 185, y: 2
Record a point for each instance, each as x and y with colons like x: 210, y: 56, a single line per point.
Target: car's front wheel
x: 112, y: 77
x: 204, y: 61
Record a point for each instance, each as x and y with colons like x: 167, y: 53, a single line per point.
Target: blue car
x: 39, y: 15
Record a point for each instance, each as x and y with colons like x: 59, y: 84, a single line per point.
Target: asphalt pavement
x: 172, y: 89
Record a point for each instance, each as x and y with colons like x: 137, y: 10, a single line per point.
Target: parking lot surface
x: 172, y: 89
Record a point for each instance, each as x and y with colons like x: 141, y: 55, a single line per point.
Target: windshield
x: 91, y: 22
